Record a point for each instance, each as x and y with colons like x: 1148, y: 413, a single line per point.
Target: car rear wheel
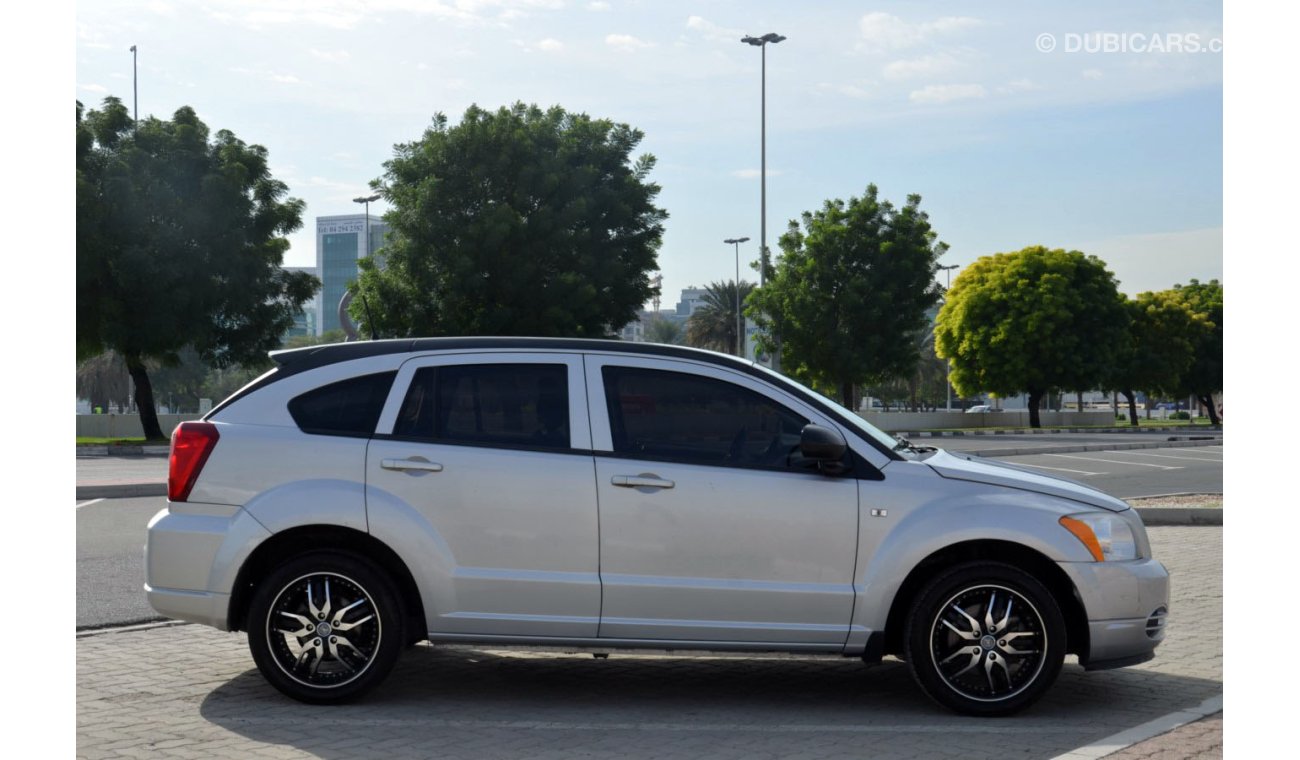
x: 985, y: 638
x: 325, y: 627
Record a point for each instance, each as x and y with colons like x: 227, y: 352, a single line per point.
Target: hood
x: 960, y: 466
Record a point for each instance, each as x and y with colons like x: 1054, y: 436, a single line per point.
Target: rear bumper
x: 1127, y: 606
x: 191, y: 561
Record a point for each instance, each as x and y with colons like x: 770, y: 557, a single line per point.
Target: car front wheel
x: 325, y: 627
x: 985, y: 638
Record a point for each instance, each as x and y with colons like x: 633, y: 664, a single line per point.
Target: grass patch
x: 94, y: 441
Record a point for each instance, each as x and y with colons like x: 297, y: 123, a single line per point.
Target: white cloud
x: 626, y: 42
x: 162, y: 9
x: 754, y: 173
x: 598, y: 6
x: 946, y: 93
x: 884, y: 31
x: 1092, y: 74
x: 925, y: 66
x: 336, y: 56
x: 550, y: 45
x: 92, y: 87
x: 712, y: 31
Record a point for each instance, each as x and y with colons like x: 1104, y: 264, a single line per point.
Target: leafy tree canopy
x: 1204, y: 377
x: 1159, y: 348
x: 1030, y: 321
x: 180, y: 237
x: 849, y: 294
x: 515, y: 222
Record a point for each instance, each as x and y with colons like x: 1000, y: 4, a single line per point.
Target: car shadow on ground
x: 452, y: 702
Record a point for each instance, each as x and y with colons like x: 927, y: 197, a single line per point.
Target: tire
x: 955, y: 645
x: 325, y: 627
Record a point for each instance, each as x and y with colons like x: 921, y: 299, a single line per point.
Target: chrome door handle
x: 422, y: 465
x: 641, y: 481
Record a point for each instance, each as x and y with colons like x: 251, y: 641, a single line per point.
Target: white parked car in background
x: 512, y: 491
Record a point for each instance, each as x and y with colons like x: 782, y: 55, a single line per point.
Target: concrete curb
x: 1024, y: 451
x: 121, y: 491
x: 158, y: 450
x: 1167, y: 516
x: 1041, y: 431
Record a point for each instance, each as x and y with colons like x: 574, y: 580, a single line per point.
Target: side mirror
x: 824, y: 446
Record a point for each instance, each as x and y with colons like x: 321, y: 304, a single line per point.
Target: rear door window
x: 505, y: 405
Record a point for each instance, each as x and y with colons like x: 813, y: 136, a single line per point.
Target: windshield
x: 859, y: 425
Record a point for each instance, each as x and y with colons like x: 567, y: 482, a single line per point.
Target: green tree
x: 1158, y: 349
x: 662, y: 330
x: 1031, y: 321
x: 1204, y: 377
x: 180, y: 236
x: 713, y: 324
x: 849, y: 294
x: 515, y: 222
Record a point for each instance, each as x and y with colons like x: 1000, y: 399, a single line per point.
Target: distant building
x: 692, y: 299
x: 304, y: 322
x: 339, y: 243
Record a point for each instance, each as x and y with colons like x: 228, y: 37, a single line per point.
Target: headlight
x: 1107, y: 536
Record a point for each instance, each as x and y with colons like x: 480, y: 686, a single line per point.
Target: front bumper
x: 191, y: 560
x: 1126, y: 604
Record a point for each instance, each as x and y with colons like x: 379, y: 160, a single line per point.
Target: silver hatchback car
x: 362, y: 497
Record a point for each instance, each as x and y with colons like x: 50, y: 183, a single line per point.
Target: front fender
x: 925, y: 514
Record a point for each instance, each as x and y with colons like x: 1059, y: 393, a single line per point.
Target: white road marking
x: 88, y: 503
x: 1114, y: 461
x: 1061, y: 469
x: 1148, y: 730
x: 1173, y: 456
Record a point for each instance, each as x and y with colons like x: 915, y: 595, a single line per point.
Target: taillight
x: 192, y: 442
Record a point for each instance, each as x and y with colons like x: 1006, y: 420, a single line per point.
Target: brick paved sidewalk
x: 1202, y: 739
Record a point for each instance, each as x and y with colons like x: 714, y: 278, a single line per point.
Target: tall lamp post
x: 948, y: 377
x: 348, y: 328
x: 740, y: 330
x: 761, y: 43
x: 135, y: 89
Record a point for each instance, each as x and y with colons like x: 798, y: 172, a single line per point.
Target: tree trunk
x: 1132, y: 407
x: 1035, y: 398
x: 1079, y: 395
x: 1208, y: 403
x: 846, y: 396
x: 144, y: 398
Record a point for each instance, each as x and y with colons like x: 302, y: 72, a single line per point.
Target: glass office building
x: 339, y: 243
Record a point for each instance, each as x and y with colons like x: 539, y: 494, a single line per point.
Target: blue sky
x: 1114, y: 153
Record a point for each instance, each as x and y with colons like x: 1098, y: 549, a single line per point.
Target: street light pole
x: 761, y: 43
x: 948, y: 377
x: 135, y: 90
x: 740, y: 330
x: 366, y: 200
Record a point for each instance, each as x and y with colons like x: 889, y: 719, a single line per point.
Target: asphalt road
x: 110, y: 560
x: 1136, y: 472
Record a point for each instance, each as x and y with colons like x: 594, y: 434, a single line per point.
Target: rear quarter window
x: 349, y: 407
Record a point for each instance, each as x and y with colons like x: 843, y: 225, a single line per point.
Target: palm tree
x: 662, y: 330
x: 713, y: 325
